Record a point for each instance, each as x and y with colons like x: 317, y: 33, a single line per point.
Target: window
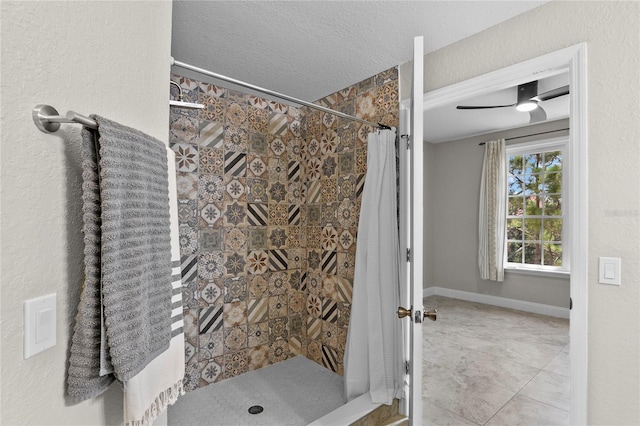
x: 536, y: 237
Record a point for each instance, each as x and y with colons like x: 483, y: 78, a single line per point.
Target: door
x: 411, y: 230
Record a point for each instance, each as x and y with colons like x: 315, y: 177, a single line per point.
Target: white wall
x: 108, y: 58
x: 610, y: 30
x: 453, y: 196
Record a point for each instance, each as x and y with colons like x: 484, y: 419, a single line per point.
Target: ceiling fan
x: 528, y: 100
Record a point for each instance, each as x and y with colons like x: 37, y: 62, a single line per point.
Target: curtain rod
x: 532, y: 134
x: 273, y: 93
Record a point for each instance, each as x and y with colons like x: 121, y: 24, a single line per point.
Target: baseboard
x: 503, y: 302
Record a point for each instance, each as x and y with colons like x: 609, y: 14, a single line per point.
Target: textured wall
x: 269, y: 199
x: 92, y: 57
x: 610, y: 30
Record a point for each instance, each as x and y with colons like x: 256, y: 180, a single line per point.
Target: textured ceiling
x: 309, y: 49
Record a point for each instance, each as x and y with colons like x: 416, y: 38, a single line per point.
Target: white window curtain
x: 373, y: 358
x: 492, y: 213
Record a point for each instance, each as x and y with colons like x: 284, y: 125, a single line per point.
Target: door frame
x: 574, y: 60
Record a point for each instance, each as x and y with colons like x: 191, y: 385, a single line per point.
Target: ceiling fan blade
x: 537, y: 115
x: 552, y: 94
x: 483, y: 107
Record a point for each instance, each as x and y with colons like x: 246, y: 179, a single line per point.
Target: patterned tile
x: 278, y: 107
x: 295, y: 258
x: 329, y: 120
x: 188, y: 240
x: 314, y: 327
x: 211, y: 372
x: 278, y: 260
x: 313, y: 215
x: 259, y: 285
x: 294, y: 149
x: 348, y: 213
x: 329, y: 238
x: 277, y: 146
x: 213, y: 110
x: 210, y: 215
x: 330, y: 262
x: 314, y: 283
x: 314, y: 308
x: 235, y: 189
x: 297, y: 192
x: 346, y: 187
x: 235, y: 214
x: 189, y: 268
x: 295, y: 279
x: 190, y: 295
x: 257, y: 262
x: 314, y: 237
x: 235, y: 289
x: 210, y: 265
x: 387, y: 97
x: 296, y: 346
x: 297, y: 302
x: 258, y: 357
x: 330, y: 358
x: 278, y: 124
x: 235, y: 163
x: 212, y: 90
x: 329, y: 190
x: 191, y: 322
x: 296, y: 128
x: 257, y: 238
x: 278, y: 351
x: 258, y: 334
x: 314, y: 191
x: 346, y: 163
x: 192, y: 376
x: 210, y: 345
x: 278, y: 306
x: 314, y: 259
x: 277, y: 169
x: 235, y: 239
x: 187, y: 186
x: 277, y: 237
x: 210, y: 292
x: 295, y: 235
x: 258, y: 311
x: 278, y: 328
x: 347, y: 240
x: 235, y: 364
x: 257, y: 166
x: 235, y: 314
x: 183, y: 129
x: 211, y: 319
x: 314, y: 351
x: 361, y: 161
x: 278, y: 283
x: 344, y: 314
x: 313, y: 146
x: 190, y: 350
x: 347, y: 138
x: 277, y: 192
x: 330, y: 311
x: 236, y: 114
x: 211, y: 161
x: 234, y: 264
x: 314, y: 169
x: 257, y: 190
x: 258, y: 144
x: 329, y: 166
x: 366, y: 105
x: 258, y: 120
x: 329, y: 142
x: 210, y: 188
x: 346, y: 264
x: 211, y: 134
x: 257, y: 214
x: 235, y: 338
x: 278, y: 214
x: 186, y: 157
x: 257, y: 102
x: 297, y: 322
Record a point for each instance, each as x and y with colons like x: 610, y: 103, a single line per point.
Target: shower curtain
x: 373, y: 358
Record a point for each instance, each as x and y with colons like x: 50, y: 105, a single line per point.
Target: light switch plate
x: 39, y: 324
x: 610, y: 270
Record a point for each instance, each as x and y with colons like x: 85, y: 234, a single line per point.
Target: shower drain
x: 256, y: 409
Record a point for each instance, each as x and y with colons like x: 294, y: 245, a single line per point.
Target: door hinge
x: 406, y: 137
x: 406, y: 367
x: 408, y: 255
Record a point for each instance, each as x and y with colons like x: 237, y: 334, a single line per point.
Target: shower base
x: 293, y: 392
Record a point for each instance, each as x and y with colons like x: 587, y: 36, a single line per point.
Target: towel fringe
x: 162, y: 401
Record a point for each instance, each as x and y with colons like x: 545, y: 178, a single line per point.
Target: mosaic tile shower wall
x: 268, y: 204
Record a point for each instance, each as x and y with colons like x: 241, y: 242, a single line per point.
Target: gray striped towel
x: 127, y: 290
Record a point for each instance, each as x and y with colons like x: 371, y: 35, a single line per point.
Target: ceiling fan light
x: 527, y: 106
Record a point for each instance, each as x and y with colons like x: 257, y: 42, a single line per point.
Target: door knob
x: 432, y: 315
x: 402, y: 312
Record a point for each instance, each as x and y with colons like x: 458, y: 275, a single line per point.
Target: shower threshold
x: 293, y: 392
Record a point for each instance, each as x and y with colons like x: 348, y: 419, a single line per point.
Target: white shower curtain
x: 373, y: 357
x: 492, y: 212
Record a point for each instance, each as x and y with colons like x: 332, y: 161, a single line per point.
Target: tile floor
x: 485, y: 365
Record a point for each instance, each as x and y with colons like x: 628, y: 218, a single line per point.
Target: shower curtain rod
x: 532, y: 134
x: 273, y: 93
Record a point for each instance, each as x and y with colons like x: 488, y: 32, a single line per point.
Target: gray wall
x: 454, y: 169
